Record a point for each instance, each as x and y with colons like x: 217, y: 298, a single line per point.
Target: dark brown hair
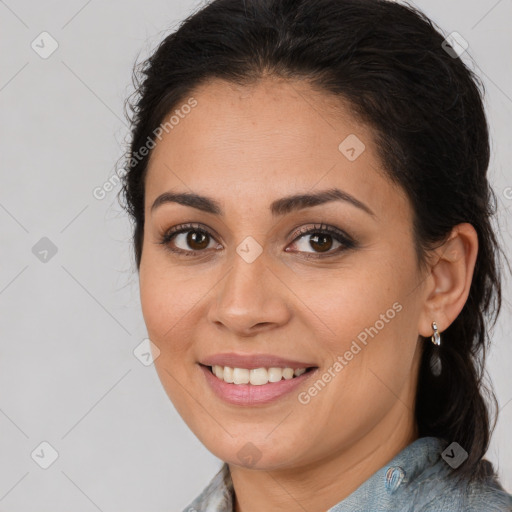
x: 424, y: 105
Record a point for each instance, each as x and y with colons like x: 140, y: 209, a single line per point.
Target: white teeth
x: 228, y: 374
x: 275, y: 374
x: 240, y: 376
x: 256, y: 376
x: 288, y: 373
x: 218, y: 371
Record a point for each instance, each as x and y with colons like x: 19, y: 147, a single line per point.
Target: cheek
x: 166, y: 300
x: 345, y: 304
x: 365, y: 319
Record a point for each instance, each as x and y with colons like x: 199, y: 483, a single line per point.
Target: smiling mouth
x: 256, y: 376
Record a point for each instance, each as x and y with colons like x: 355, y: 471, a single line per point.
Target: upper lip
x: 251, y: 361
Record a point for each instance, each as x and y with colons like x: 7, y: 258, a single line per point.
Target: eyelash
x: 323, y: 229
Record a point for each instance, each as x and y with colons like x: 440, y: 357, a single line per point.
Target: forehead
x: 271, y: 107
x: 271, y: 138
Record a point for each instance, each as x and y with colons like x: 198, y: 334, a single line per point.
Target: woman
x: 318, y: 270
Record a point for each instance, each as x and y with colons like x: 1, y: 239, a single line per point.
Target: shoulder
x: 485, y: 495
x: 217, y: 496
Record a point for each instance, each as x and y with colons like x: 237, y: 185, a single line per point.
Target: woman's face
x: 346, y: 302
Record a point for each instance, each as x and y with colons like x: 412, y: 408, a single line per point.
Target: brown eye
x: 187, y: 240
x: 197, y: 240
x: 321, y: 242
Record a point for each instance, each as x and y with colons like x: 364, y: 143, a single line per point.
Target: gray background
x: 69, y: 325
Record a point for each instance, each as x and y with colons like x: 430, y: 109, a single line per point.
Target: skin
x: 246, y: 146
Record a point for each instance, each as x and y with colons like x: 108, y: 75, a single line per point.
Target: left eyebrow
x: 278, y: 207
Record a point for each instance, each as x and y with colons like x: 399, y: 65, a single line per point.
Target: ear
x: 449, y: 279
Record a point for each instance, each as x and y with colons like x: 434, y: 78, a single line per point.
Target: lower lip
x: 249, y: 394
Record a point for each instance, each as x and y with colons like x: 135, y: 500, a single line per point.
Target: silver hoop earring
x: 436, y: 337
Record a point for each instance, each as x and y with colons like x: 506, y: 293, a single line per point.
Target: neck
x: 318, y: 486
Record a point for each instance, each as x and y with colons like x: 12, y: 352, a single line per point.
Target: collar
x: 416, y: 462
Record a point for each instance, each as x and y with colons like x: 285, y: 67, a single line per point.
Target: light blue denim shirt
x: 416, y: 479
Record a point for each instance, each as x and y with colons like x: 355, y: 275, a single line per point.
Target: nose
x: 250, y: 299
